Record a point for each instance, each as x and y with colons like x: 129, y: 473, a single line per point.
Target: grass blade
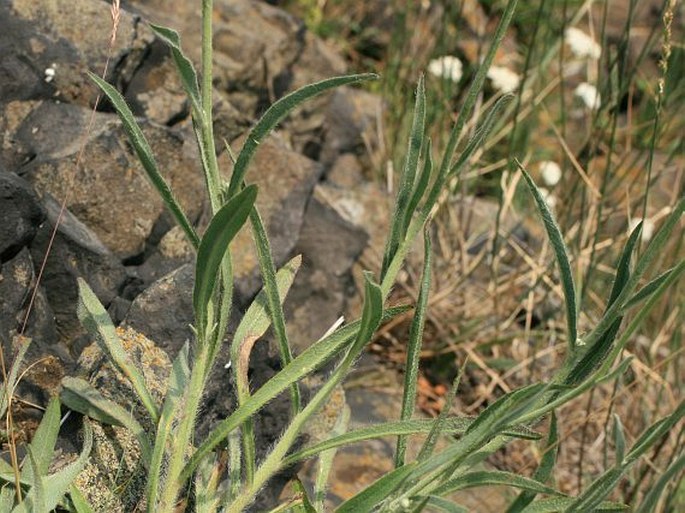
x: 222, y: 228
x: 275, y: 114
x: 95, y: 319
x: 366, y: 500
x: 414, y: 347
x: 147, y: 159
x: 561, y: 253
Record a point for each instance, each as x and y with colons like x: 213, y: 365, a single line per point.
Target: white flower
x: 551, y: 172
x: 582, y: 45
x: 549, y: 198
x: 50, y: 73
x: 503, y: 79
x: 447, y: 66
x: 647, y: 227
x: 589, y: 95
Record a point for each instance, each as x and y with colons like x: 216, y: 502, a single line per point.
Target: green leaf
x: 397, y: 232
x: 95, y: 319
x: 623, y: 267
x: 223, y: 227
x: 421, y: 185
x: 147, y: 159
x: 414, y: 347
x: 366, y: 500
x: 557, y: 241
x: 79, y: 395
x: 312, y: 358
x: 274, y: 114
x: 493, y: 478
x: 43, y: 444
x: 183, y: 64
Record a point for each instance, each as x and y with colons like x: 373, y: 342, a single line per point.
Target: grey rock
x: 17, y: 281
x: 75, y: 252
x: 110, y: 192
x: 20, y: 214
x: 329, y: 246
x: 254, y: 43
x: 42, y: 35
x: 164, y: 311
x: 351, y: 124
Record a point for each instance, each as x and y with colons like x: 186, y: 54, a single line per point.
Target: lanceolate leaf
x: 276, y: 113
x: 147, y: 159
x: 222, y: 228
x: 6, y: 388
x: 557, y: 241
